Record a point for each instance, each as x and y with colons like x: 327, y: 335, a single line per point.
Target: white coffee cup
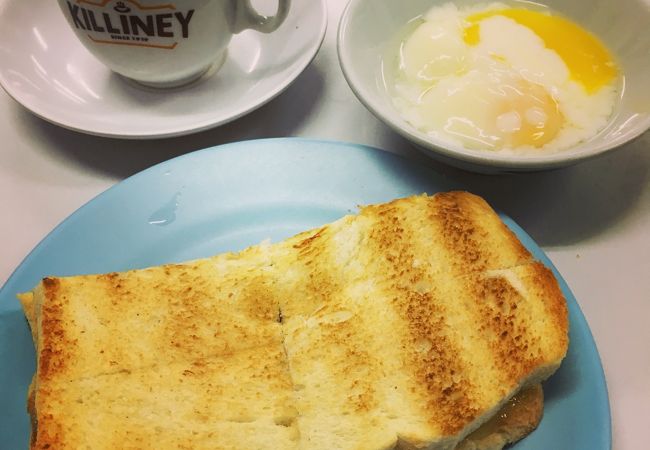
x: 164, y: 43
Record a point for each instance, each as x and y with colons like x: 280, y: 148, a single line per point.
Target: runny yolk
x: 587, y: 59
x: 527, y: 116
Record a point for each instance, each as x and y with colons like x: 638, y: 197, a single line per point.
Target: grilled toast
x: 408, y: 325
x: 514, y: 421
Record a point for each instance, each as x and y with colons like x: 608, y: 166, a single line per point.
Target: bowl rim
x: 428, y: 144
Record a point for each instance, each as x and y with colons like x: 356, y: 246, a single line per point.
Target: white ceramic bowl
x: 368, y: 26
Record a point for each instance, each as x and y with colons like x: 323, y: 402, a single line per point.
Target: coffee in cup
x: 164, y: 43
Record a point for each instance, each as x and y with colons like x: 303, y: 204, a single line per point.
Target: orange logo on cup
x: 129, y: 23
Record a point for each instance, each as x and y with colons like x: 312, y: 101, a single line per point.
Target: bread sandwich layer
x: 407, y: 325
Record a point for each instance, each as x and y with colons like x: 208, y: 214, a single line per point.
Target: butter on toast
x: 406, y: 326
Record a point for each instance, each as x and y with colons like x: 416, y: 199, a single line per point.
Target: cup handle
x: 247, y: 17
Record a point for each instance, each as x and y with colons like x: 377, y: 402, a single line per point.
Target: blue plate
x: 235, y: 195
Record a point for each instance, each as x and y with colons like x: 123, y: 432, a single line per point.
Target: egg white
x: 459, y: 83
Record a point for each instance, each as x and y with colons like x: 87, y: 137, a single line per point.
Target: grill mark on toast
x: 189, y: 362
x: 460, y: 234
x: 48, y: 432
x: 57, y: 349
x: 320, y: 285
x: 437, y: 370
x: 511, y: 343
x: 464, y: 221
x: 517, y: 348
x: 194, y: 326
x: 181, y: 337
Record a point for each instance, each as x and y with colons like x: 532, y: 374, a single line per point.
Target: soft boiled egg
x: 505, y: 78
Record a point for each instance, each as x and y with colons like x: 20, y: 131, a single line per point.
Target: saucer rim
x: 196, y: 127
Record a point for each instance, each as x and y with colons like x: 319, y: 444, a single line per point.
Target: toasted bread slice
x: 180, y: 355
x: 514, y: 421
x: 408, y: 325
x: 243, y: 400
x: 418, y: 320
x: 163, y: 314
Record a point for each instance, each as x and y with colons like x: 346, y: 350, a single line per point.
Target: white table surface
x: 593, y: 220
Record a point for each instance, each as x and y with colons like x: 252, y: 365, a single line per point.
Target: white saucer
x: 45, y: 68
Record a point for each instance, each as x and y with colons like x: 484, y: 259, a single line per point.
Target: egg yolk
x: 587, y: 59
x: 527, y: 116
x: 507, y: 113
